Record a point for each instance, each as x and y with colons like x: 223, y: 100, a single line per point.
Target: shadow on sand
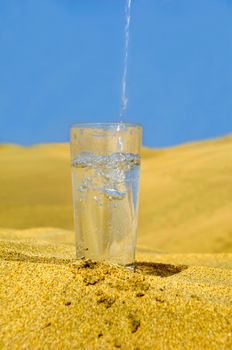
x: 158, y: 269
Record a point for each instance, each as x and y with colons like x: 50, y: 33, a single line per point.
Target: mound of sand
x: 50, y: 300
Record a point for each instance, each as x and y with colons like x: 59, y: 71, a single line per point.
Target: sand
x: 178, y: 297
x: 50, y: 300
x: 185, y: 194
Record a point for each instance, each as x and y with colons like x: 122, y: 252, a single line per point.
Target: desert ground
x: 178, y: 297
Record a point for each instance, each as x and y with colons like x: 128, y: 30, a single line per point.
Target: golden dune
x: 185, y: 194
x: 178, y: 297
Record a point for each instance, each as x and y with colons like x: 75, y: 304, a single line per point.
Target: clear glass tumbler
x: 105, y: 160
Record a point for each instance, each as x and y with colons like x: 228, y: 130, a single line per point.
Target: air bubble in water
x: 112, y: 193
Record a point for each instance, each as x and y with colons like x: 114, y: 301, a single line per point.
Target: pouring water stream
x: 124, y: 98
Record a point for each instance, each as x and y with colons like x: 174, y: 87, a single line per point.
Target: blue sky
x: 61, y: 61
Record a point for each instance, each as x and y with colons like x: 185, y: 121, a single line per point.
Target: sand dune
x: 178, y: 297
x: 185, y: 194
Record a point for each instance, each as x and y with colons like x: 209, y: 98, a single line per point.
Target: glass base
x: 130, y: 267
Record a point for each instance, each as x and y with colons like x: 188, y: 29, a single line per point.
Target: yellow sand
x: 185, y: 194
x: 50, y: 300
x: 181, y: 300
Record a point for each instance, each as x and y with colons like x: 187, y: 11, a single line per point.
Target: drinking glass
x: 105, y: 161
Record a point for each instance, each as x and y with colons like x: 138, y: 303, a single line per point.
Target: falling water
x: 124, y: 98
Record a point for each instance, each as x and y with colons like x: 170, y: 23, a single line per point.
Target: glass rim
x: 104, y: 124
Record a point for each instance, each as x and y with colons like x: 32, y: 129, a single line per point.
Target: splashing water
x: 124, y: 98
